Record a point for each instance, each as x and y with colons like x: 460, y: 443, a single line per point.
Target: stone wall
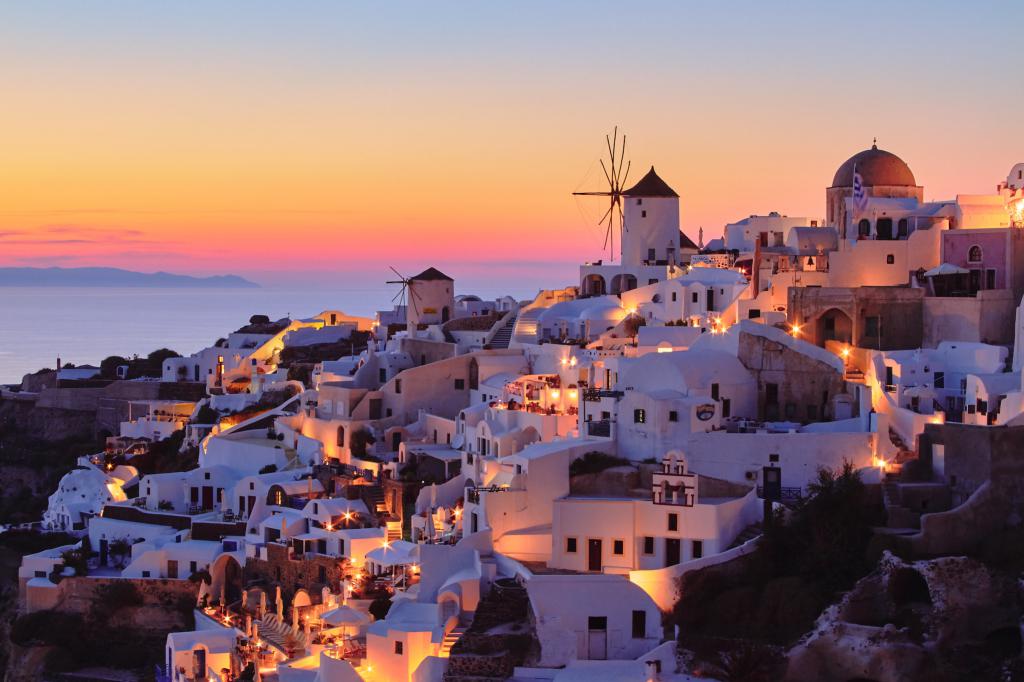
x: 805, y: 386
x: 293, y: 574
x: 900, y: 311
x: 985, y: 472
x: 166, y: 604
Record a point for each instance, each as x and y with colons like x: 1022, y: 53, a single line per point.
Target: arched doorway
x: 624, y: 282
x: 594, y: 285
x: 834, y: 325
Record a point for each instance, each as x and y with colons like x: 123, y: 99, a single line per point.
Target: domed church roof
x: 877, y: 167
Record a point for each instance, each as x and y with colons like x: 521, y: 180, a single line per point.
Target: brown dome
x: 877, y: 168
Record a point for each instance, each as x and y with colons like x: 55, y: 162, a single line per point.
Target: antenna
x: 616, y: 173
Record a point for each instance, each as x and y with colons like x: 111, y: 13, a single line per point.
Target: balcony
x: 789, y: 495
x: 593, y: 395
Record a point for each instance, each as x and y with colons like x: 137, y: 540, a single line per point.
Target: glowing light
x: 386, y: 545
x: 555, y: 394
x: 794, y: 330
x: 718, y: 320
x: 845, y: 352
x: 565, y: 361
x: 458, y: 513
x: 573, y: 394
x: 572, y: 362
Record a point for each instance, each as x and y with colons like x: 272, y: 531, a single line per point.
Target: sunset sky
x: 307, y: 142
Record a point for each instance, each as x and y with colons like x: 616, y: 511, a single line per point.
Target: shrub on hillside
x: 595, y: 462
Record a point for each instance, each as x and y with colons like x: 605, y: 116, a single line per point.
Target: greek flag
x: 860, y: 197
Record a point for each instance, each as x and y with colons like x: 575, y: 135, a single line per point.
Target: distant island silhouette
x: 114, y: 277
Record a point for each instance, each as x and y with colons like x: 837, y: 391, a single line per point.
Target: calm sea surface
x: 85, y: 325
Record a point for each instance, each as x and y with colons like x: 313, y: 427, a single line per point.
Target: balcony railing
x: 594, y: 395
x: 788, y: 494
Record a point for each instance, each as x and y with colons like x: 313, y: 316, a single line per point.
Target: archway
x: 623, y: 282
x: 226, y: 578
x: 594, y: 285
x: 834, y: 325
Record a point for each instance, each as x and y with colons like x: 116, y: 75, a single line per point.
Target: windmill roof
x: 432, y: 274
x: 651, y: 185
x: 685, y: 242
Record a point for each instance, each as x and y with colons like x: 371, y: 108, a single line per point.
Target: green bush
x: 595, y: 462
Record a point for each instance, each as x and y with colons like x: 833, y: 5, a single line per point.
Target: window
x: 643, y: 214
x: 673, y: 416
x: 714, y: 391
x: 460, y: 384
x: 890, y: 259
x: 940, y: 380
x: 771, y: 393
x: 570, y: 545
x: 648, y: 545
x: 398, y: 648
x: 382, y: 375
x: 673, y: 521
x: 618, y: 547
x: 974, y: 254
x: 694, y: 297
x: 192, y: 567
x: 902, y: 228
x: 726, y: 407
x: 145, y: 574
x: 864, y: 228
x: 753, y: 314
x: 398, y: 385
x: 207, y: 475
x: 698, y: 549
x: 597, y: 623
x: 639, y: 416
x: 982, y: 406
x: 990, y: 279
x: 639, y: 202
x: 40, y: 574
x: 639, y: 624
x: 469, y: 458
x: 673, y: 296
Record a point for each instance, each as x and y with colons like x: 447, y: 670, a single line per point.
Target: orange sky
x: 291, y: 145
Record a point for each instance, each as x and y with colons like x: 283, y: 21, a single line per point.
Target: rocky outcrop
x: 899, y: 623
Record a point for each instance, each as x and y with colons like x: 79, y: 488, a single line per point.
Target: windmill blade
x: 591, y: 194
x: 605, y: 216
x: 607, y: 176
x: 625, y: 176
x: 622, y: 221
x: 607, y: 233
x: 400, y: 275
x: 400, y: 293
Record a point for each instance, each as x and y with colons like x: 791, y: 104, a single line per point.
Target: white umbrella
x: 344, y: 616
x: 946, y: 269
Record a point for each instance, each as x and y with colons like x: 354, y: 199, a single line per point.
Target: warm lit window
x: 639, y: 416
x: 974, y: 254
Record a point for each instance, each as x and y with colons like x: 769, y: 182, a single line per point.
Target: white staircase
x: 277, y: 632
x: 526, y: 326
x: 503, y: 336
x: 450, y: 639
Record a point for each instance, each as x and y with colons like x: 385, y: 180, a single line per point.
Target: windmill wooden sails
x: 616, y: 172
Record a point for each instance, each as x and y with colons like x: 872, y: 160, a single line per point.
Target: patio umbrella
x: 344, y: 617
x: 946, y: 269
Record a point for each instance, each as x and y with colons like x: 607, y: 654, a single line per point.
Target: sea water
x: 85, y: 325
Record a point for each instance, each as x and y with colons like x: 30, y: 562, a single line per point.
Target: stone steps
x: 450, y: 639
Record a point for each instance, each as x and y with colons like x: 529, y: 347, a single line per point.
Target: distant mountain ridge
x: 114, y: 277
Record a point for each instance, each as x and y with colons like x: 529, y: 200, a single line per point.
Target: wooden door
x: 672, y: 551
x: 593, y: 555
